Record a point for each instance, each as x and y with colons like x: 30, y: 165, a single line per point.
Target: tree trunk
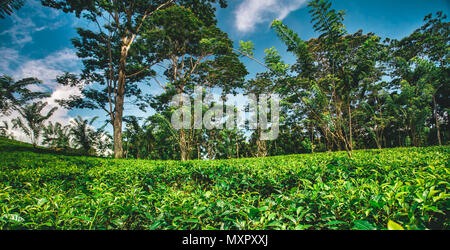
x: 350, y: 127
x: 183, y: 147
x: 378, y: 141
x: 128, y: 148
x: 118, y: 148
x: 438, y: 131
x: 120, y: 95
x: 261, y: 146
x: 413, y: 135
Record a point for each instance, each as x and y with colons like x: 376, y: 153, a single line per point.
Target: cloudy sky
x: 35, y: 41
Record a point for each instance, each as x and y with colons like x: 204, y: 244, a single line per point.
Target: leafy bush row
x: 319, y: 191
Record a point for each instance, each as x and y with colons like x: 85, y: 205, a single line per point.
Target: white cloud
x: 46, y: 69
x: 21, y: 30
x: 23, y: 26
x: 9, y: 57
x: 252, y: 12
x: 41, y: 11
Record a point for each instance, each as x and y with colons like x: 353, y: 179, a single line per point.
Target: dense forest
x: 346, y: 91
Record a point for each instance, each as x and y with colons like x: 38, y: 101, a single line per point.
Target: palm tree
x: 83, y: 134
x: 33, y: 120
x: 56, y: 135
x: 14, y: 93
x: 4, y: 131
x: 92, y: 141
x: 104, y: 142
x: 8, y: 6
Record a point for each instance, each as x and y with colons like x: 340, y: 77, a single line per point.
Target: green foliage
x: 33, y: 120
x: 394, y: 226
x: 4, y: 131
x: 333, y: 73
x: 327, y: 21
x: 246, y: 48
x: 84, y: 136
x: 56, y: 136
x: 16, y: 93
x: 420, y: 64
x: 7, y: 7
x: 273, y: 61
x: 376, y: 189
x: 123, y: 44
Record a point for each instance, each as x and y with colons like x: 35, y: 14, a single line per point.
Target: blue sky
x: 35, y: 41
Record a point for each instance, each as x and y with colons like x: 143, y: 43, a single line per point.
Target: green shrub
x: 43, y: 190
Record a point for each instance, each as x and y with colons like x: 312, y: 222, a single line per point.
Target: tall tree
x: 33, y: 120
x: 116, y: 48
x: 272, y: 81
x: 332, y: 70
x: 413, y: 79
x: 197, y: 53
x: 430, y: 42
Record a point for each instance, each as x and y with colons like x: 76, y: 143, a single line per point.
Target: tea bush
x: 40, y: 189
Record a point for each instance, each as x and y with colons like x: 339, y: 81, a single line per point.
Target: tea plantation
x: 404, y: 187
